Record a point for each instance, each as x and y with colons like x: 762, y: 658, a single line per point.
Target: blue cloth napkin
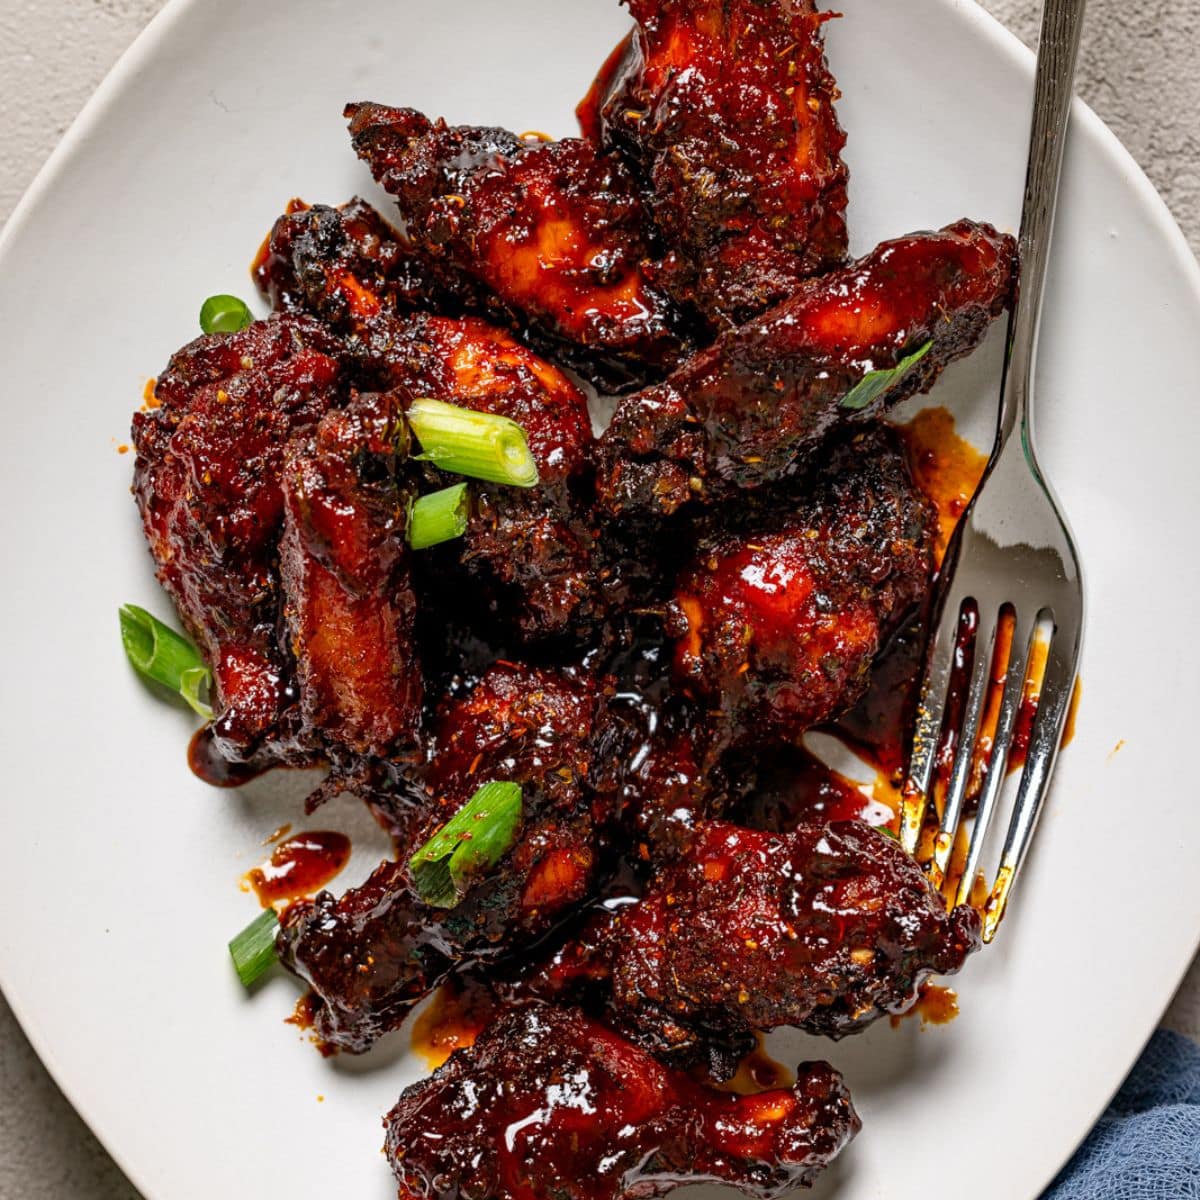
x: 1147, y: 1144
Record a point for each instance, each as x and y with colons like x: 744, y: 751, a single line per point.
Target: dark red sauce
x: 208, y: 764
x: 299, y: 866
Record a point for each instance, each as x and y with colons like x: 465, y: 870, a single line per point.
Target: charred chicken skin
x: 782, y: 619
x: 825, y: 927
x: 550, y: 1105
x: 374, y: 952
x: 349, y: 605
x: 725, y: 110
x: 747, y: 408
x: 343, y: 264
x: 550, y: 236
x: 208, y: 483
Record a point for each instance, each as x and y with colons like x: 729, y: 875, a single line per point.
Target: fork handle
x: 1058, y: 52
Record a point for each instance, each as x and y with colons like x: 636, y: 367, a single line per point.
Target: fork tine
x: 964, y: 751
x: 931, y: 709
x: 1006, y: 723
x: 1045, y: 737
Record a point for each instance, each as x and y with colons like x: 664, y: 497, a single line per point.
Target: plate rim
x: 144, y: 46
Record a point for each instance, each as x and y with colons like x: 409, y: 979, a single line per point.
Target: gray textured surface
x: 1139, y: 73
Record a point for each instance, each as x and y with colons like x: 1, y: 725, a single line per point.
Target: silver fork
x: 1012, y: 553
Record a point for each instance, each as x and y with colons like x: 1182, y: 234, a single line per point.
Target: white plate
x: 121, y: 869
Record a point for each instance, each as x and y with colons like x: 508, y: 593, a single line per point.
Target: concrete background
x: 1139, y: 72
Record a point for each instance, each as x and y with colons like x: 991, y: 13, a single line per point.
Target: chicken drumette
x: 841, y: 348
x: 548, y: 235
x: 550, y: 1105
x: 374, y: 952
x: 724, y: 109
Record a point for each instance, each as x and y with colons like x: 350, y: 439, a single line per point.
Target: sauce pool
x: 299, y: 866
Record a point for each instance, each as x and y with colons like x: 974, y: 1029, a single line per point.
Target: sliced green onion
x: 473, y: 841
x: 465, y: 442
x: 438, y: 517
x: 161, y: 654
x: 871, y: 386
x: 253, y: 950
x: 224, y: 314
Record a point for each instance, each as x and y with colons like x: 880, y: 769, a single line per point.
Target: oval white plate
x: 121, y: 869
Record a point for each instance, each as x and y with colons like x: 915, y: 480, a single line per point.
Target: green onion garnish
x: 438, y: 517
x: 224, y: 314
x: 253, y: 950
x: 159, y: 653
x: 468, y: 845
x: 871, y: 386
x: 465, y: 442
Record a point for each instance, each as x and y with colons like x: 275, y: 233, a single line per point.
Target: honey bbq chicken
x: 550, y: 1105
x: 533, y: 558
x: 371, y: 954
x: 550, y: 236
x: 842, y: 347
x: 208, y: 484
x: 825, y: 927
x: 725, y: 111
x: 783, y: 617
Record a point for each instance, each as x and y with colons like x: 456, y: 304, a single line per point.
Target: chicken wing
x: 841, y: 348
x: 550, y: 236
x: 372, y: 954
x: 782, y: 619
x: 207, y: 482
x: 725, y: 110
x: 825, y: 927
x: 550, y: 1105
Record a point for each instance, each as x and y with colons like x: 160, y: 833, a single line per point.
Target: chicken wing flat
x: 207, y: 483
x: 349, y: 605
x: 725, y: 110
x: 550, y: 236
x: 746, y: 409
x: 550, y: 1105
x: 783, y: 618
x: 374, y: 952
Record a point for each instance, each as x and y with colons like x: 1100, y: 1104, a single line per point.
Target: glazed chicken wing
x: 825, y: 927
x: 746, y: 409
x: 207, y: 482
x: 530, y: 557
x: 550, y: 1105
x: 550, y: 236
x: 349, y: 605
x: 373, y: 953
x: 783, y: 618
x: 725, y: 110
